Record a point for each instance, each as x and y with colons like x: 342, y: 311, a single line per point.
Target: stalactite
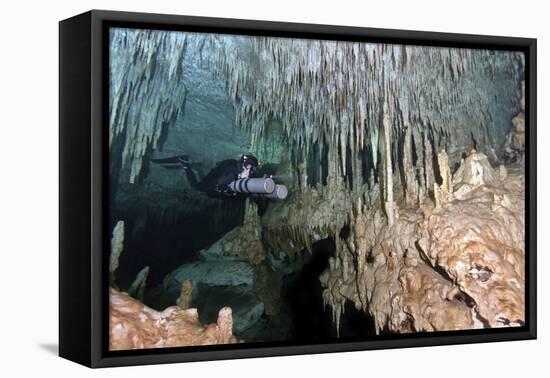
x: 389, y: 204
x: 319, y: 90
x: 411, y: 184
x: 145, y: 73
x: 428, y: 162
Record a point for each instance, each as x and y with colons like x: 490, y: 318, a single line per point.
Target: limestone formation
x: 456, y: 266
x: 388, y: 173
x: 246, y: 241
x: 145, y: 77
x: 224, y: 275
x: 410, y: 171
x: 132, y: 325
x: 479, y: 242
x: 515, y: 140
x: 427, y: 87
x: 186, y: 294
x: 137, y: 288
x: 267, y: 286
x: 514, y: 146
x: 474, y: 171
x: 117, y: 245
x: 443, y: 193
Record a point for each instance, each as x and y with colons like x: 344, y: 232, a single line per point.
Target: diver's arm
x: 220, y: 176
x: 230, y: 173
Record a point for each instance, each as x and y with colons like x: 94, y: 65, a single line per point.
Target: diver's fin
x: 178, y: 159
x: 172, y: 166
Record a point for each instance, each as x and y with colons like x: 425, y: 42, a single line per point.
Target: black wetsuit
x: 215, y: 183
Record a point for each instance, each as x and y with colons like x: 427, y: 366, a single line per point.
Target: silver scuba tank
x: 263, y: 185
x: 280, y: 192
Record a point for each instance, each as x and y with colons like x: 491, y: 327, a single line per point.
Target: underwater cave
x: 404, y: 172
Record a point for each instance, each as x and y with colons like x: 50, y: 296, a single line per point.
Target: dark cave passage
x: 304, y: 296
x: 165, y: 245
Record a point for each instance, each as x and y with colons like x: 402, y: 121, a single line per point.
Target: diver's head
x: 247, y: 165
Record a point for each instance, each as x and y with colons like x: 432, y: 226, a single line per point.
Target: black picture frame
x: 83, y: 228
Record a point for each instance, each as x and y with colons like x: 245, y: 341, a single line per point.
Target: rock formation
x: 245, y: 241
x: 443, y: 193
x: 117, y: 245
x: 186, y: 294
x: 479, y: 242
x: 515, y: 139
x: 136, y: 326
x: 459, y: 265
x: 137, y: 288
x: 231, y: 272
x: 328, y: 93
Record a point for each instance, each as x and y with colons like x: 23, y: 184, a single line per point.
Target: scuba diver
x: 229, y: 178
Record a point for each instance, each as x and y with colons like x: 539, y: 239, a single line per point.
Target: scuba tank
x: 280, y: 192
x: 263, y: 185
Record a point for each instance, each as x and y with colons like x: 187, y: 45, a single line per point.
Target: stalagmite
x: 502, y: 172
x: 186, y: 294
x: 422, y: 192
x: 473, y: 172
x: 428, y: 162
x: 267, y: 286
x: 443, y: 193
x: 246, y: 241
x: 137, y: 288
x: 514, y: 145
x: 117, y: 245
x: 363, y: 234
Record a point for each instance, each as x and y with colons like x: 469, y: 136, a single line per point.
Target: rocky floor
x: 136, y: 326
